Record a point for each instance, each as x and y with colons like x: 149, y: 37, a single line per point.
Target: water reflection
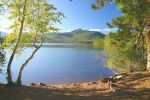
x: 60, y: 65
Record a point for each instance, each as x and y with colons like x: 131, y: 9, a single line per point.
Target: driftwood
x: 112, y: 79
x: 112, y: 82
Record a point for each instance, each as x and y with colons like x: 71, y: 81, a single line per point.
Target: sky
x: 78, y: 14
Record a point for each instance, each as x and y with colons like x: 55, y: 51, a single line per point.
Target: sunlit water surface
x: 60, y: 63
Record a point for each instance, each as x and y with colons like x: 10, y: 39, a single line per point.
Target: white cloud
x: 64, y: 31
x: 104, y: 30
x: 107, y: 30
x: 99, y: 30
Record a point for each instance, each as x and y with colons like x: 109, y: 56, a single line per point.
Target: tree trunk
x: 9, y: 77
x: 18, y: 81
x: 148, y: 50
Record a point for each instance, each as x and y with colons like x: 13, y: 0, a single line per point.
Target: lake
x: 60, y: 63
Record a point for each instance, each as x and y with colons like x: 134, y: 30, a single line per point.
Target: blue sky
x: 79, y: 14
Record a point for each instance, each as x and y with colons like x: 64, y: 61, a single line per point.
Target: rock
x: 92, y: 83
x: 42, y: 84
x: 117, y: 77
x: 32, y: 84
x: 76, y: 84
x: 105, y: 80
x: 112, y: 79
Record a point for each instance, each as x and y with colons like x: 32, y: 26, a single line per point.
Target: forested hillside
x: 78, y: 36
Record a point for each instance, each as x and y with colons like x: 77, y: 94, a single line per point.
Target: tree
x: 98, y: 43
x: 18, y: 11
x: 122, y: 54
x: 134, y: 20
x: 42, y: 17
x: 125, y: 49
x: 33, y: 18
x: 2, y: 53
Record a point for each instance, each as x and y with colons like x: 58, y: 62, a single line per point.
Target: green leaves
x: 99, y: 4
x: 98, y: 43
x: 40, y: 18
x: 127, y: 47
x: 2, y: 53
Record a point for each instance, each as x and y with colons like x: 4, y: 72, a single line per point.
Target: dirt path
x: 135, y: 86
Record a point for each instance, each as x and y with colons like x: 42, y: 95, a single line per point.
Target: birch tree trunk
x: 18, y: 81
x: 9, y: 77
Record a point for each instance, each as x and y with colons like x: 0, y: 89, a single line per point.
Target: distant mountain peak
x: 77, y: 35
x: 77, y: 30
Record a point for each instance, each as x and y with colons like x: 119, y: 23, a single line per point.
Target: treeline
x: 98, y: 43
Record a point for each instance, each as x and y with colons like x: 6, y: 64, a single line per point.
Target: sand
x: 133, y: 86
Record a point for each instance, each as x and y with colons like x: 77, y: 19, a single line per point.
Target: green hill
x: 78, y: 35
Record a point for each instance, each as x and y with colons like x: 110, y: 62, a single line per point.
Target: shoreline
x: 133, y: 86
x: 105, y: 79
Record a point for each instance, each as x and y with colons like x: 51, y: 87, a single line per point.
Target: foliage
x: 98, y: 43
x: 126, y: 48
x: 1, y: 7
x: 31, y: 19
x: 122, y: 55
x: 40, y: 19
x: 2, y: 53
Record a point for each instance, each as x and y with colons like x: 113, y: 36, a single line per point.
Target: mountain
x: 77, y: 35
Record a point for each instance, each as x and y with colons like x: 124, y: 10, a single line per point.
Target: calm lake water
x: 60, y: 63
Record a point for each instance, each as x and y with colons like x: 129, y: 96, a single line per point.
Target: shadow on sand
x: 132, y: 87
